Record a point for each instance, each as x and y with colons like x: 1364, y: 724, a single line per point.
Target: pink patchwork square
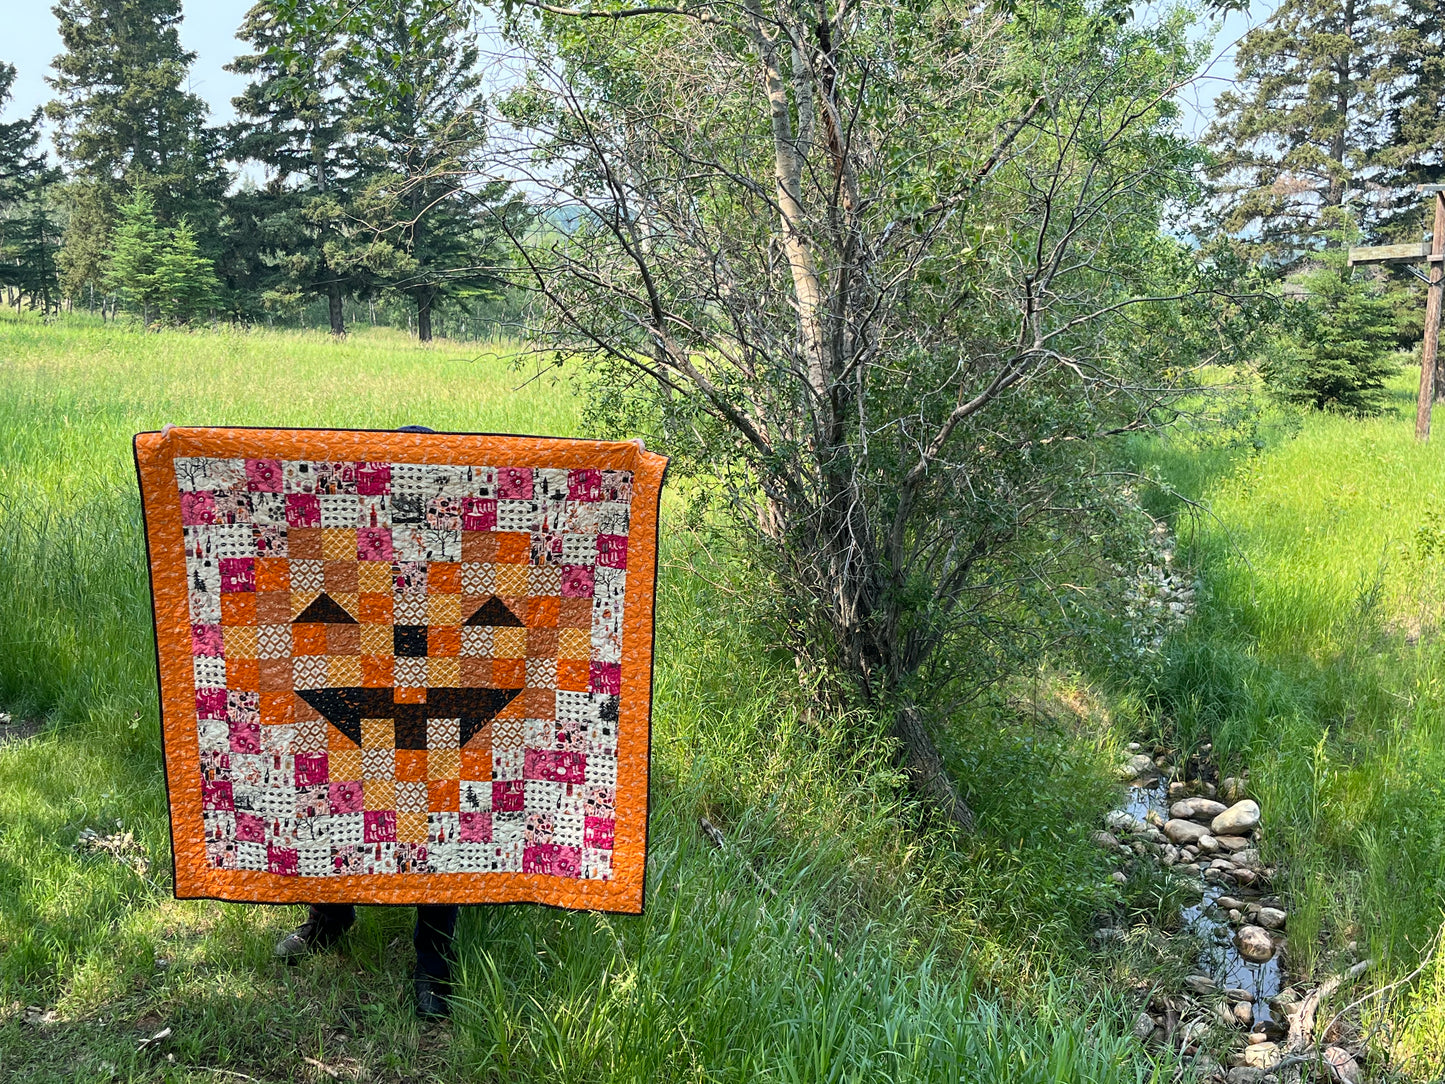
x: 311, y: 769
x: 250, y: 828
x: 514, y: 484
x: 605, y: 677
x: 206, y: 640
x: 282, y: 860
x: 612, y: 550
x: 552, y: 859
x: 555, y: 767
x: 263, y: 475
x: 476, y: 827
x: 374, y: 544
x: 245, y: 736
x: 584, y: 485
x: 210, y: 703
x: 238, y: 574
x: 373, y: 479
x: 303, y: 510
x: 597, y: 832
x: 345, y: 797
x: 198, y: 508
x: 577, y: 581
x: 216, y: 794
x: 379, y: 826
x: 508, y: 795
x: 479, y: 514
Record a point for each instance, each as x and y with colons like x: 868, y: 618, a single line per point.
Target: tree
x: 886, y: 283
x: 27, y: 233
x: 1338, y: 351
x: 135, y: 255
x: 294, y: 122
x: 1414, y: 150
x: 1302, y: 133
x: 421, y: 121
x: 185, y: 282
x: 122, y: 121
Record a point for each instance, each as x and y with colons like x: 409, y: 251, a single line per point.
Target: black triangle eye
x: 494, y: 613
x: 324, y: 610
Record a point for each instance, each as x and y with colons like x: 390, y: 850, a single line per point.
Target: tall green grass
x: 1316, y: 659
x: 954, y: 965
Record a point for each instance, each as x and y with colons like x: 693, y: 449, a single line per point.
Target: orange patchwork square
x: 543, y: 611
x: 444, y: 578
x: 573, y: 675
x: 373, y: 608
x: 273, y: 574
x: 238, y: 608
x: 443, y: 795
x: 411, y: 764
x: 477, y: 763
x: 376, y: 671
x: 508, y: 673
x: 513, y: 548
x: 308, y: 639
x: 443, y: 640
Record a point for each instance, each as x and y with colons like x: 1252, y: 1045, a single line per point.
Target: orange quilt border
x: 155, y: 453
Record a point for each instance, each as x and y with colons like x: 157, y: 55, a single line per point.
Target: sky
x: 29, y: 40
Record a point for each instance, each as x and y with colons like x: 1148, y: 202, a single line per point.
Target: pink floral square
x: 584, y: 485
x: 597, y: 832
x: 238, y: 574
x: 206, y: 640
x: 612, y: 550
x: 311, y: 769
x: 476, y: 828
x: 514, y: 484
x: 250, y: 828
x: 345, y: 797
x: 553, y: 766
x: 198, y: 508
x: 373, y: 479
x: 303, y: 510
x: 507, y: 796
x: 374, y: 544
x: 577, y: 581
x: 379, y: 826
x: 479, y: 514
x: 552, y: 859
x: 263, y: 475
x: 245, y: 736
x: 606, y: 677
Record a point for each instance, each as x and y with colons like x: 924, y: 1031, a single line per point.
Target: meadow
x: 956, y: 959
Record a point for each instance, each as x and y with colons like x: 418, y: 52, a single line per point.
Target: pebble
x: 1184, y: 831
x: 1239, y: 993
x: 1228, y: 903
x: 1262, y: 1055
x: 1107, y: 840
x: 1233, y: 844
x: 1249, y: 858
x: 1197, y: 809
x: 1133, y: 747
x: 1169, y: 855
x: 1254, y: 943
x: 1119, y: 821
x: 1244, y: 876
x: 1271, y: 918
x: 1202, y: 985
x: 1143, y: 1025
x: 1138, y: 765
x: 1118, y: 877
x: 1209, y: 844
x: 1237, y: 819
x: 1178, y: 790
x: 1254, y: 1038
x: 1243, y: 1013
x: 1231, y: 788
x: 1344, y: 1065
x: 1244, y: 1074
x: 1235, y: 917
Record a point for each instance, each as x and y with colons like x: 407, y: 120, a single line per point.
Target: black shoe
x: 431, y: 996
x: 316, y: 934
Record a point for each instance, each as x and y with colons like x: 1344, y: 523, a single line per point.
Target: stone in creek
x: 1178, y: 790
x: 1239, y: 993
x: 1228, y: 903
x: 1119, y: 821
x: 1345, y: 1066
x: 1140, y: 764
x: 1271, y: 918
x: 1189, y: 854
x: 1231, y: 788
x: 1143, y: 1025
x: 1243, y: 876
x: 1262, y: 1055
x: 1197, y: 809
x: 1233, y: 844
x: 1154, y: 819
x: 1169, y: 854
x: 1200, y: 984
x: 1254, y: 943
x: 1107, y: 840
x: 1238, y: 819
x: 1209, y: 845
x: 1235, y: 918
x: 1254, y: 1038
x: 1184, y: 831
x: 1243, y: 1013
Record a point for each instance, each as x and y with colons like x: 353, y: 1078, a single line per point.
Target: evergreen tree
x: 85, y: 243
x: 1415, y: 149
x: 1340, y: 350
x: 1300, y: 135
x: 420, y: 116
x: 135, y: 255
x: 185, y: 282
x: 27, y: 231
x: 293, y: 123
x: 122, y: 120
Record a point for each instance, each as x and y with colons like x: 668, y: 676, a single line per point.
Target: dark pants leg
x: 338, y: 916
x: 435, y: 924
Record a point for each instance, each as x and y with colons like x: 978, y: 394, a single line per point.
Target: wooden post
x: 1430, y: 380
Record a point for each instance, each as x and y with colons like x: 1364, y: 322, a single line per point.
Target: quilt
x: 401, y: 667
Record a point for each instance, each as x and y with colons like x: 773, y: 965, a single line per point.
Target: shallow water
x: 1220, y: 959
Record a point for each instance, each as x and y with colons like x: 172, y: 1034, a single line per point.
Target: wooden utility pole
x: 1432, y: 384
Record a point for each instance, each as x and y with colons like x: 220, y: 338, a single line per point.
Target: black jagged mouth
x: 344, y: 707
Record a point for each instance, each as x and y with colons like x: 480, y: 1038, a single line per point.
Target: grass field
x: 956, y: 965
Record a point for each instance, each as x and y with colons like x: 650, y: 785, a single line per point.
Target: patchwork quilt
x: 403, y: 667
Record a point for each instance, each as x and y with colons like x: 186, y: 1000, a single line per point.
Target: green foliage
x: 185, y: 282
x: 28, y: 235
x: 135, y: 253
x: 1339, y: 351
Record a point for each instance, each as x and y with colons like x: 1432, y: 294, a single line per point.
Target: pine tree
x: 27, y: 231
x: 184, y: 281
x: 421, y: 120
x: 294, y: 116
x: 135, y: 255
x: 1301, y: 134
x: 123, y: 121
x: 1414, y: 152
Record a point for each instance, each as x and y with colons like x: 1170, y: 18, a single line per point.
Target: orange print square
x: 308, y: 639
x: 373, y: 608
x: 443, y: 795
x: 238, y: 608
x: 376, y: 671
x: 242, y: 675
x: 304, y: 543
x: 278, y: 708
x: 574, y: 613
x: 443, y: 641
x: 443, y: 764
x: 443, y: 578
x: 543, y: 611
x: 572, y: 675
x: 509, y: 673
x: 477, y: 763
x: 479, y: 547
x: 273, y: 574
x: 513, y: 548
x: 410, y: 694
x: 541, y: 703
x: 410, y: 765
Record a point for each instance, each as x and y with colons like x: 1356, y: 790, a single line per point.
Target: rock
x: 1248, y: 858
x: 1140, y: 764
x: 1231, y: 788
x: 1238, y: 819
x: 1120, y: 822
x: 1228, y: 903
x: 1184, y: 831
x: 1345, y: 1066
x: 1108, y: 934
x: 1192, y: 1032
x: 1208, y: 844
x: 1154, y: 819
x: 1188, y: 854
x: 1118, y: 877
x: 1202, y: 985
x: 1254, y: 943
x: 1224, y: 865
x: 1244, y: 876
x: 1163, y: 763
x: 1205, y: 809
x: 1107, y: 840
x: 1178, y: 790
x: 1244, y: 1074
x: 1271, y: 918
x: 1235, y: 918
x: 1243, y: 1013
x: 1233, y: 844
x: 1262, y: 1055
x: 1209, y: 790
x: 1169, y: 855
x: 1142, y: 849
x: 1156, y: 836
x: 1143, y: 1025
x: 1133, y: 747
x: 1239, y: 993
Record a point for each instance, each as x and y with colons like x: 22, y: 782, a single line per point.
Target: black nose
x: 409, y: 641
